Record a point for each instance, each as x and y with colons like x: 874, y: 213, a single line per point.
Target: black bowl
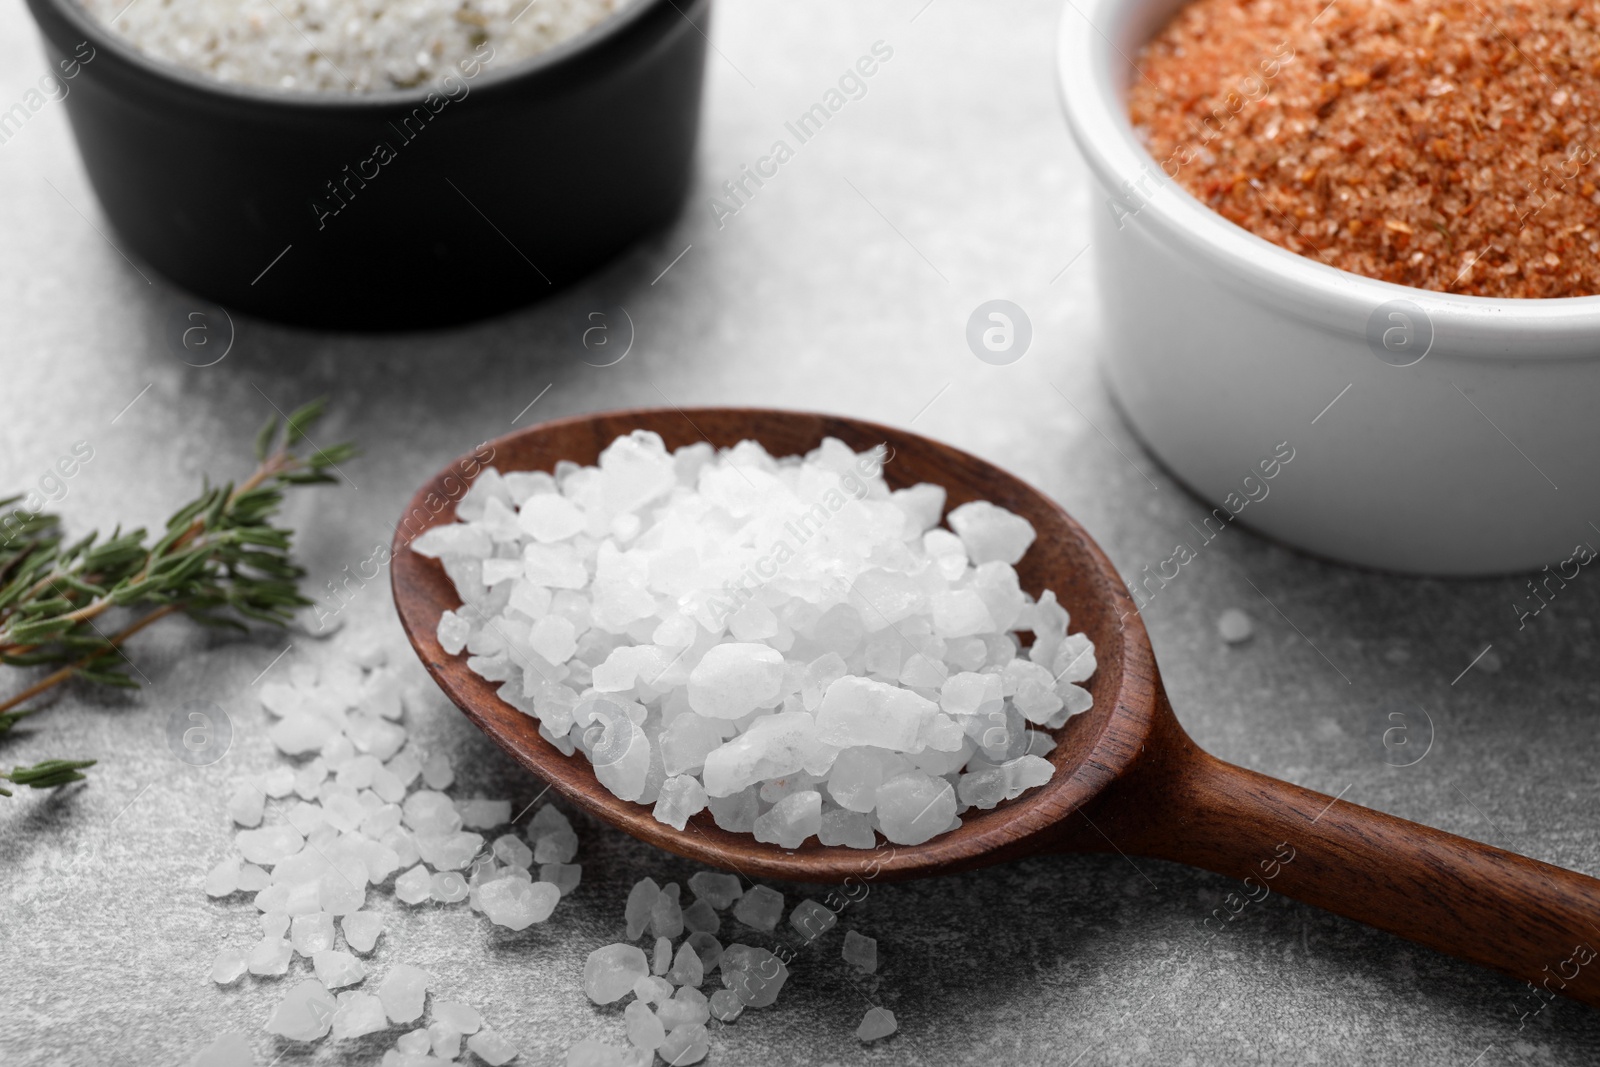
x: 284, y: 205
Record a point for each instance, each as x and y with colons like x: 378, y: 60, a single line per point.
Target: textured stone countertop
x: 844, y: 286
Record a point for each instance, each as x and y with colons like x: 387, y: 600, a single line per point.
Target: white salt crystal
x: 990, y: 532
x: 415, y: 886
x: 685, y: 1045
x: 274, y: 924
x: 223, y: 879
x: 300, y: 733
x: 860, y: 951
x: 718, y: 890
x: 305, y: 1013
x: 402, y: 991
x: 361, y: 929
x: 686, y: 969
x: 922, y: 504
x: 564, y: 876
x: 253, y: 879
x: 773, y: 746
x: 652, y: 990
x: 736, y: 813
x: 480, y: 814
x: 754, y: 974
x: 229, y: 965
x: 913, y: 808
x: 312, y: 933
x: 812, y: 919
x: 550, y: 517
x: 610, y: 972
x: 509, y: 849
x: 680, y: 798
x: 687, y: 740
x: 458, y: 539
x: 732, y: 679
x: 988, y: 786
x: 460, y: 1017
x: 281, y: 698
x: 278, y: 782
x: 700, y: 917
x: 661, y: 958
x: 415, y: 1043
x: 759, y: 907
x: 666, y: 914
x: 446, y: 1041
x: 707, y: 947
x: 967, y: 693
x: 453, y: 632
x: 791, y: 820
x: 557, y: 846
x: 358, y: 1015
x: 515, y: 904
x: 436, y: 771
x: 554, y: 638
x: 641, y: 900
x: 726, y: 1005
x: 448, y: 887
x: 269, y: 845
x: 1234, y: 626
x: 644, y: 1029
x: 270, y: 956
x: 878, y: 1022
x: 687, y: 1007
x: 860, y: 711
x: 491, y: 1048
x: 337, y: 969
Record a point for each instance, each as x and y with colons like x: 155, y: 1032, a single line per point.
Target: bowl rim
x: 1090, y: 39
x: 562, y: 55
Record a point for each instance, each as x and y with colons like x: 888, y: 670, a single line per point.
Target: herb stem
x: 55, y: 678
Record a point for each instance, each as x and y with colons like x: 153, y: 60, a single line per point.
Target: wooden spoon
x: 1127, y: 776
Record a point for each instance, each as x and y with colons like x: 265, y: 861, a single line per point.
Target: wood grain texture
x: 1128, y: 778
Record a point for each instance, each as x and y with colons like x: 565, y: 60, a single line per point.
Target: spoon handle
x: 1516, y: 915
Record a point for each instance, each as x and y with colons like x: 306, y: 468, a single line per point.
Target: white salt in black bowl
x: 390, y: 210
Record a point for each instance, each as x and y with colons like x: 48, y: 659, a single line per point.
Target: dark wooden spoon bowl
x: 1128, y: 778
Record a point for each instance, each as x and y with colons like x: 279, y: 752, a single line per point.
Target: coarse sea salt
x: 351, y: 46
x: 784, y: 642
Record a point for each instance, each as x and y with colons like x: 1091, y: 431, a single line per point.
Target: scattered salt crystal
x: 311, y: 934
x: 358, y: 1015
x: 460, y: 1017
x: 270, y: 956
x: 403, y: 991
x: 754, y: 974
x: 480, y: 814
x: 415, y: 886
x: 861, y: 951
x: 223, y: 879
x: 564, y: 876
x: 1234, y: 626
x: 717, y: 890
x: 436, y: 771
x: 448, y: 887
x: 270, y: 844
x: 760, y: 908
x: 228, y: 966
x: 557, y: 846
x: 361, y: 929
x: 449, y: 851
x: 686, y: 969
x: 812, y: 919
x: 686, y: 1007
x: 685, y: 1045
x: 661, y: 958
x: 336, y: 969
x: 274, y: 924
x: 515, y: 904
x: 247, y: 805
x: 653, y: 990
x: 278, y: 782
x: 701, y: 917
x: 708, y: 948
x: 726, y: 1005
x: 878, y: 1022
x: 253, y: 879
x: 641, y: 900
x: 305, y: 1013
x: 610, y: 972
x: 509, y: 849
x: 644, y: 1028
x: 446, y: 1040
x: 666, y: 914
x: 415, y: 1043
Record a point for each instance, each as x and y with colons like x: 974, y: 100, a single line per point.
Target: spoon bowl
x: 1128, y: 779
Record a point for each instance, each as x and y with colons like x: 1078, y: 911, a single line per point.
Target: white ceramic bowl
x: 1483, y: 457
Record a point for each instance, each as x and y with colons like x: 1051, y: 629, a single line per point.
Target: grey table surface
x: 844, y: 286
